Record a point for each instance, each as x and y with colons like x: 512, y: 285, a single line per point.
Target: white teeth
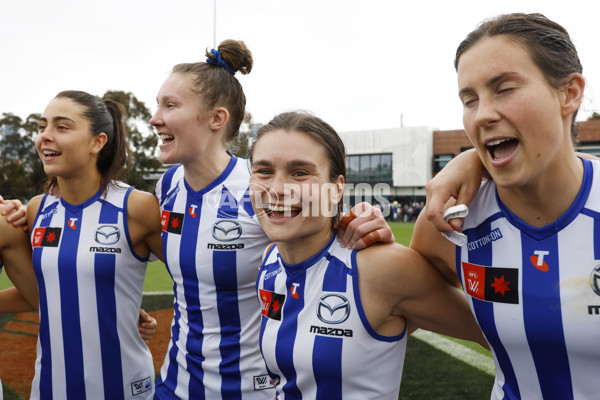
x: 497, y: 142
x: 164, y: 137
x: 279, y: 208
x: 50, y: 153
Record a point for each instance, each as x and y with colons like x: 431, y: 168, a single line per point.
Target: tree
x: 239, y: 145
x: 142, y: 140
x: 20, y: 166
x: 595, y: 115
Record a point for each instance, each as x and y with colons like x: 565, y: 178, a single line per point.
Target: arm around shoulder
x: 438, y: 250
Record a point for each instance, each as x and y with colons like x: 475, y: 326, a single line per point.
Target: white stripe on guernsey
x: 458, y: 351
x: 90, y: 330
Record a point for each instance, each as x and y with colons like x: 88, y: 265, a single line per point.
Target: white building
x: 394, y: 163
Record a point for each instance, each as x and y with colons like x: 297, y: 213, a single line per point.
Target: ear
x: 97, y: 143
x: 340, y: 184
x: 219, y: 118
x: 573, y: 94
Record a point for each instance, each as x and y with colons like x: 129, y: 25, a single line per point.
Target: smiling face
x: 292, y: 192
x: 512, y: 115
x: 64, y: 142
x: 180, y: 121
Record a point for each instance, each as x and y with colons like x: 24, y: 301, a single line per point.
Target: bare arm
x: 16, y: 256
x: 404, y: 288
x: 15, y: 212
x: 457, y: 183
x: 143, y: 215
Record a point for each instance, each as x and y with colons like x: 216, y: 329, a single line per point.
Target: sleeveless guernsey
x: 315, y: 337
x: 90, y: 288
x: 536, y: 293
x: 213, y: 245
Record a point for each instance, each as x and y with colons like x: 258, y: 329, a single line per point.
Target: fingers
x: 15, y: 212
x: 146, y: 325
x: 359, y: 222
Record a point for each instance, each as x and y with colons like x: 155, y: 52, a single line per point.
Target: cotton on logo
x: 72, y: 224
x: 294, y: 290
x: 538, y: 260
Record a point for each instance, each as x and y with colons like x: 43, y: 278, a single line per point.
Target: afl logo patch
x: 107, y: 235
x: 595, y: 279
x: 333, y: 309
x: 226, y: 230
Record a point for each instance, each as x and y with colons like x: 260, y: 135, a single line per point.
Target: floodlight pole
x: 214, y: 24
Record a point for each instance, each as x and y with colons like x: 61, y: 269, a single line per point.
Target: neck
x: 205, y: 168
x: 545, y: 200
x: 295, y: 251
x: 78, y: 190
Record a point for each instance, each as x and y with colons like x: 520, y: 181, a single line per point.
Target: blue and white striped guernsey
x: 315, y: 337
x: 212, y: 244
x: 90, y: 285
x: 536, y: 294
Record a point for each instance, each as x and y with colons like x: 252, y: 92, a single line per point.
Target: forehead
x: 289, y: 144
x: 64, y: 107
x: 492, y: 56
x: 177, y: 85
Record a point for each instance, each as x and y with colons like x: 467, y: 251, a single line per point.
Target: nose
x: 156, y: 119
x: 487, y: 113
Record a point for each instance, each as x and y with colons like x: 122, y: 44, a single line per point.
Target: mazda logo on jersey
x: 226, y: 230
x: 333, y: 309
x: 107, y: 235
x: 595, y: 279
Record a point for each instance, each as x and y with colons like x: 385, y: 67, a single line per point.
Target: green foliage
x: 595, y: 115
x: 21, y: 170
x: 141, y: 138
x: 239, y: 145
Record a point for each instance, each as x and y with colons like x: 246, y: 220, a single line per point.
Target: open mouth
x: 48, y: 154
x: 165, y: 138
x: 282, y: 212
x: 502, y: 148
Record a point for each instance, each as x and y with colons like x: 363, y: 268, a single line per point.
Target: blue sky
x: 357, y: 64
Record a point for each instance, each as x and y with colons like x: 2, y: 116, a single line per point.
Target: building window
x: 440, y: 161
x: 591, y: 147
x: 369, y: 168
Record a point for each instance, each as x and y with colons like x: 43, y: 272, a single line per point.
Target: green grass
x: 402, y: 231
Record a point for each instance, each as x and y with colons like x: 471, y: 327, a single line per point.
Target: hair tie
x: 218, y: 61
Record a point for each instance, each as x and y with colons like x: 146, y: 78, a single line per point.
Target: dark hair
x: 217, y: 86
x: 547, y: 42
x: 105, y: 116
x: 317, y: 129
